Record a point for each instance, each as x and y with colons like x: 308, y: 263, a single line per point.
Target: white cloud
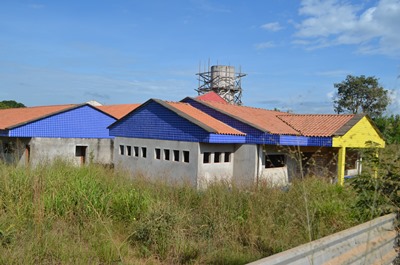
x: 334, y: 22
x: 273, y: 26
x: 264, y: 45
x: 330, y: 95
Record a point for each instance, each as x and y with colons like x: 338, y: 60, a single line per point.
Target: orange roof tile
x: 212, y: 96
x: 319, y: 125
x: 265, y: 120
x: 193, y: 113
x: 10, y: 118
x: 119, y: 110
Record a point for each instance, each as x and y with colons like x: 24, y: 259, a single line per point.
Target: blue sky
x: 114, y: 51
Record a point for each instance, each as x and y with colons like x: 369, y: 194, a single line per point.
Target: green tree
x: 7, y: 104
x: 390, y: 128
x: 361, y: 94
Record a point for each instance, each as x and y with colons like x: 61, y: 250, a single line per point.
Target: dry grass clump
x: 60, y: 214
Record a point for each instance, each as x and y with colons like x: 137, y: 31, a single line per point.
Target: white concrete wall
x: 277, y: 176
x: 97, y: 150
x: 246, y: 165
x: 153, y: 168
x: 215, y: 170
x: 47, y: 149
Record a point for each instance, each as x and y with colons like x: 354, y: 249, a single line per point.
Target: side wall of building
x: 40, y: 150
x: 170, y: 161
x: 246, y: 164
x: 78, y: 150
x: 215, y: 163
x: 277, y: 165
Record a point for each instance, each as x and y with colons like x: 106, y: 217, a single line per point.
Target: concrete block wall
x: 159, y: 160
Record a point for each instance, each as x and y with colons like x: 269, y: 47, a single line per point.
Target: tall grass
x: 60, y: 214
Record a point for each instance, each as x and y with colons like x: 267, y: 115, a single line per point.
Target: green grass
x: 60, y: 214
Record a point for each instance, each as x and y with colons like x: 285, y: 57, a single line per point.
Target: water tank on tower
x: 224, y: 81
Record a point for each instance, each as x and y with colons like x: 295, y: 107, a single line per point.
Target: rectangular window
x: 166, y: 154
x: 121, y: 150
x: 217, y: 157
x: 144, y: 152
x: 186, y: 156
x: 128, y: 150
x: 206, y: 157
x: 176, y: 155
x: 136, y: 149
x: 158, y: 153
x: 272, y: 161
x: 227, y: 157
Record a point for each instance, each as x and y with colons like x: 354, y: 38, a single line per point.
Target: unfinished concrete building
x: 76, y: 133
x: 204, y: 139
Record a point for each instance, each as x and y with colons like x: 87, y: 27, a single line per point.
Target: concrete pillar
x: 341, y: 165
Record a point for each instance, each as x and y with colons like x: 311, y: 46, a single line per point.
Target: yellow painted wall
x: 359, y: 136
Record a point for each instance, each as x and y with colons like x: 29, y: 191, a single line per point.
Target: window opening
x: 176, y: 155
x: 144, y: 152
x: 158, y: 153
x: 128, y: 150
x: 136, y: 149
x: 227, y: 157
x: 272, y: 161
x: 186, y: 156
x: 166, y: 154
x: 217, y: 157
x: 121, y: 149
x: 206, y: 157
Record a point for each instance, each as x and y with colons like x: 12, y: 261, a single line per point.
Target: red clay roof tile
x: 265, y: 120
x: 13, y: 117
x: 212, y: 96
x: 203, y: 118
x: 319, y: 125
x: 119, y: 110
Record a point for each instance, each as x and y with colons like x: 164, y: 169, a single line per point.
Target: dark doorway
x: 80, y: 151
x: 27, y: 154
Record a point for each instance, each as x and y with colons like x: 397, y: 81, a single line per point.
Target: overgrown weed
x: 58, y: 213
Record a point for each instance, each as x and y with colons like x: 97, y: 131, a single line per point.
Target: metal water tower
x: 224, y: 81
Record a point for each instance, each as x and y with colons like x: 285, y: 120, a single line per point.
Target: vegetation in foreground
x: 60, y: 214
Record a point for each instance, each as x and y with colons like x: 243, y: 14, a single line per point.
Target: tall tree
x: 7, y: 104
x: 390, y: 128
x: 360, y: 94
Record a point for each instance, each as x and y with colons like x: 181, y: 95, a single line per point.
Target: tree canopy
x: 7, y: 104
x: 390, y: 128
x: 361, y: 94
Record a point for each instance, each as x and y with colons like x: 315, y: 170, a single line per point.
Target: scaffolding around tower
x: 222, y: 80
